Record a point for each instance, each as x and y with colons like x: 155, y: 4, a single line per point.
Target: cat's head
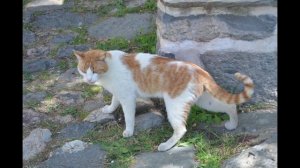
x: 91, y: 64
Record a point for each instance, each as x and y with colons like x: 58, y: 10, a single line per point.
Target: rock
x: 67, y: 80
x: 94, y: 5
x: 39, y: 65
x: 67, y: 51
x: 204, y: 28
x: 249, y: 27
x: 34, y: 97
x: 222, y: 66
x: 93, y: 105
x: 68, y: 76
x: 148, y: 120
x: 74, y: 146
x: 37, y: 3
x: 41, y: 51
x: 69, y: 98
x: 132, y: 25
x: 76, y: 130
x: 99, y: 117
x: 253, y: 128
x: 35, y: 142
x: 262, y: 155
x: 134, y: 3
x: 28, y: 38
x: 62, y: 38
x: 260, y: 122
x: 177, y: 157
x: 221, y: 3
x: 91, y: 156
x: 61, y: 19
x: 198, y: 7
x: 32, y: 117
x: 64, y: 119
x: 144, y: 105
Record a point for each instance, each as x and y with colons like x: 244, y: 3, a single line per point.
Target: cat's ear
x: 78, y: 54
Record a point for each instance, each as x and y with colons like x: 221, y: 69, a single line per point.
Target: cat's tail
x: 213, y: 88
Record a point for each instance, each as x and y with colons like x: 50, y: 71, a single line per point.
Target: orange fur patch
x: 95, y: 59
x: 159, y: 76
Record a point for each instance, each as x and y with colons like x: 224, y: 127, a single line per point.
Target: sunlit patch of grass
x: 121, y: 150
x: 198, y: 115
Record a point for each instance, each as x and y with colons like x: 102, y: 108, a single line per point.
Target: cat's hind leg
x: 177, y: 111
x: 208, y: 102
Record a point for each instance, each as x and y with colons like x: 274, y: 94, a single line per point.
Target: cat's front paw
x: 127, y: 133
x: 107, y: 109
x: 164, y: 147
x: 230, y: 125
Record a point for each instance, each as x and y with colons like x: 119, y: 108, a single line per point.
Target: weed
x: 81, y: 38
x: 142, y: 43
x: 91, y: 91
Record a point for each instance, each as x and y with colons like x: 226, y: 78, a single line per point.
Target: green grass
x: 149, y: 6
x: 53, y: 52
x: 121, y: 9
x: 114, y: 44
x: 63, y: 65
x: 198, y: 115
x: 28, y: 77
x: 90, y: 91
x: 54, y: 127
x: 74, y: 111
x: 145, y: 42
x: 28, y: 26
x: 210, y: 151
x: 81, y: 38
x: 32, y: 104
x: 141, y: 43
x: 121, y: 150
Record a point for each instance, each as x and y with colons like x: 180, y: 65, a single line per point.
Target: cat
x: 181, y: 84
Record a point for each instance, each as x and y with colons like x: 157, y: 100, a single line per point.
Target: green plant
x: 211, y: 152
x: 91, y: 91
x: 28, y: 77
x: 198, y: 115
x: 114, y: 44
x: 150, y: 5
x: 121, y: 150
x: 141, y: 43
x: 63, y: 65
x: 145, y: 42
x: 81, y: 38
x: 70, y: 111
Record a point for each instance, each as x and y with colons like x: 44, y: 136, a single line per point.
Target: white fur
x: 144, y: 59
x: 208, y: 102
x: 119, y: 81
x: 89, y: 76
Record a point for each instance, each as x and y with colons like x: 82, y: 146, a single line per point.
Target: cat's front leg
x: 112, y: 107
x: 128, y: 107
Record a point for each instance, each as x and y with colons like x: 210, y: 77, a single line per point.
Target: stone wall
x: 223, y: 37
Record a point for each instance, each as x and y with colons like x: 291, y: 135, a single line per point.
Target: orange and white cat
x: 180, y: 84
